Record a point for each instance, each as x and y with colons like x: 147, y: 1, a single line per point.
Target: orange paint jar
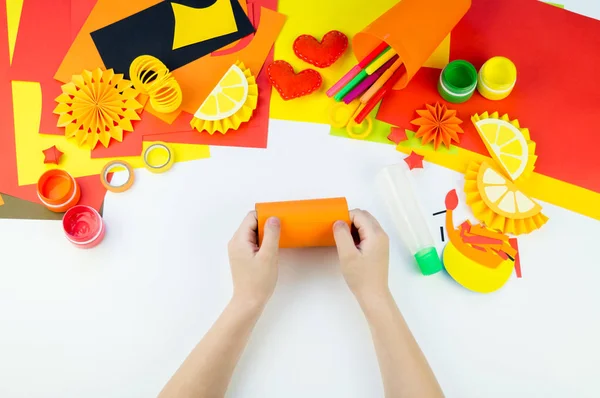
x: 58, y: 190
x: 304, y: 223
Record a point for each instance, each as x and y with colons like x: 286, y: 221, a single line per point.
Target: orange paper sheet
x: 304, y: 223
x: 414, y: 29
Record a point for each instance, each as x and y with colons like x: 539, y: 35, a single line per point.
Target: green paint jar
x: 458, y: 81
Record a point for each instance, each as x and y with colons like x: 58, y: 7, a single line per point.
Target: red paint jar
x: 83, y: 226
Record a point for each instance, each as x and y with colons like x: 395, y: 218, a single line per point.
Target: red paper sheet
x: 558, y: 85
x: 41, y: 44
x: 92, y: 190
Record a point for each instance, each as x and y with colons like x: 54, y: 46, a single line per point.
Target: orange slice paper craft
x: 438, y: 124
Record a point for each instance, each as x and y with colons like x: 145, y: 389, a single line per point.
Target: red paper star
x: 52, y: 155
x: 414, y: 161
x: 397, y: 135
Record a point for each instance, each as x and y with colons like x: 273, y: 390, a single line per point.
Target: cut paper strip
x: 155, y: 29
x: 94, y: 192
x: 509, y: 144
x: 569, y: 166
x: 515, y: 244
x: 13, y: 16
x: 217, y: 20
x: 316, y: 17
x: 231, y: 103
x: 29, y: 143
x: 324, y: 53
x: 97, y: 106
x: 152, y: 78
x: 1, y: 201
x: 498, y: 203
x: 438, y: 124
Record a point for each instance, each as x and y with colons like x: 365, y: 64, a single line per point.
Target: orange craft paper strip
x: 304, y: 223
x: 414, y: 29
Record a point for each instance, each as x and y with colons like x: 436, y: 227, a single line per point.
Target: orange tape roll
x: 58, y: 190
x: 304, y: 223
x: 109, y: 168
x: 414, y: 29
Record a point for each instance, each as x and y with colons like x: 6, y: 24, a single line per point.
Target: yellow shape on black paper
x: 216, y: 20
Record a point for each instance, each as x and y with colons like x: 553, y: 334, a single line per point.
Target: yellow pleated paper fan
x: 499, y: 203
x: 97, y: 106
x: 508, y: 143
x: 231, y: 103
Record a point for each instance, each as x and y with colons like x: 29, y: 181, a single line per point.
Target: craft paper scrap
x: 13, y: 15
x: 29, y: 144
x: 169, y: 35
x: 568, y: 161
x: 316, y: 18
x: 217, y: 20
x: 15, y: 208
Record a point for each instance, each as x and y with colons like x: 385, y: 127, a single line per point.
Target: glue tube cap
x: 428, y: 261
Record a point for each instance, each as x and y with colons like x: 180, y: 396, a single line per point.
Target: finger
x: 247, y: 230
x: 270, y: 242
x: 365, y: 223
x: 343, y: 239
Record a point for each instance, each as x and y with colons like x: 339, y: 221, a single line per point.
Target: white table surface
x: 117, y: 321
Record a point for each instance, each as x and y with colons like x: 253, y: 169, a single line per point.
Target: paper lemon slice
x: 498, y: 202
x: 508, y: 143
x: 231, y: 103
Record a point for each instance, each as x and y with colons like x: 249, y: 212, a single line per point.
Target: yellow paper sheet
x: 217, y: 20
x: 13, y: 17
x: 317, y: 17
x: 537, y: 186
x: 27, y: 105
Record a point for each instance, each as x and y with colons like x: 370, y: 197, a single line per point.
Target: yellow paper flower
x: 97, y: 106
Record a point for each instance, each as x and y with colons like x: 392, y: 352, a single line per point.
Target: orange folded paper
x: 304, y: 223
x: 414, y: 29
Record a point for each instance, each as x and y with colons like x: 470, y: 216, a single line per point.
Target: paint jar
x: 83, y: 226
x: 396, y: 187
x: 497, y: 78
x: 58, y: 190
x: 458, y: 81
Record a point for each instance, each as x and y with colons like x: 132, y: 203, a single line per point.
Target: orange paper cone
x: 414, y: 29
x: 304, y: 223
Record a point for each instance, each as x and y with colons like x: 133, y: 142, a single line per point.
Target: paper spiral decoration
x: 152, y: 77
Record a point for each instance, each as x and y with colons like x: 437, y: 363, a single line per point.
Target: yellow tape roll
x: 162, y: 165
x: 150, y: 76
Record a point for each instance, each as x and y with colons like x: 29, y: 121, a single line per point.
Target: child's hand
x: 365, y: 266
x: 254, y: 270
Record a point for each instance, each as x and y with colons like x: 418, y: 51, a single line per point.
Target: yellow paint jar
x: 497, y: 78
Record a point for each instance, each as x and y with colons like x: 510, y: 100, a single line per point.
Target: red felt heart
x: 321, y: 54
x: 292, y: 85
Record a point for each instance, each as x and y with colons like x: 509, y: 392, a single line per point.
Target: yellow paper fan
x: 499, y: 203
x: 97, y: 106
x: 508, y: 143
x: 231, y: 103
